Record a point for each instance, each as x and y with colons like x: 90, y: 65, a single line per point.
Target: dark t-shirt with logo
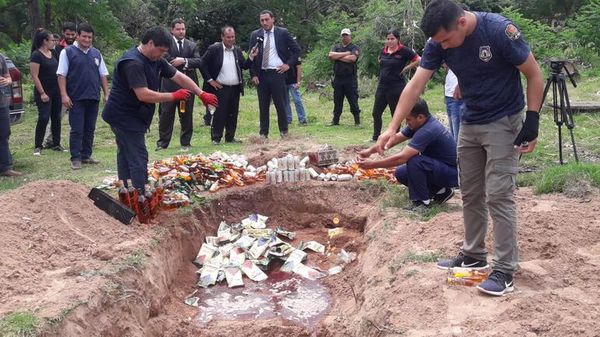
x: 485, y: 65
x: 391, y: 66
x: 343, y: 68
x: 433, y: 140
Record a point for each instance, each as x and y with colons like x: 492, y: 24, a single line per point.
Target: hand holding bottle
x: 209, y: 99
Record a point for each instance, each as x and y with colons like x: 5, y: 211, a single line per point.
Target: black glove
x: 530, y: 128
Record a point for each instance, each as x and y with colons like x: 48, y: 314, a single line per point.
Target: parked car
x: 16, y: 103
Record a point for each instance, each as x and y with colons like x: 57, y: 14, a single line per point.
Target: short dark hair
x: 394, y: 32
x: 440, y: 14
x: 420, y: 108
x: 159, y: 36
x: 225, y: 28
x: 39, y: 37
x: 266, y: 11
x: 176, y: 21
x: 84, y: 27
x: 69, y: 26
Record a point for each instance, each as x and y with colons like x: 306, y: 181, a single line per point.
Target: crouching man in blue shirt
x: 427, y: 165
x: 135, y: 90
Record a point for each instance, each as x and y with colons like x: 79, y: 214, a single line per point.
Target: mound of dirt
x: 53, y: 242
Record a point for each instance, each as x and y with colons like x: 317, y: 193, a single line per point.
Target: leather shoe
x: 75, y: 164
x: 11, y: 173
x: 159, y: 148
x: 216, y: 142
x: 90, y: 161
x: 234, y: 140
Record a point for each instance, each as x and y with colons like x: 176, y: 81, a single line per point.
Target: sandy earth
x: 87, y: 274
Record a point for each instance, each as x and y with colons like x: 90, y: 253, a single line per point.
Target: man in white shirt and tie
x: 221, y: 68
x: 277, y: 51
x: 184, y: 56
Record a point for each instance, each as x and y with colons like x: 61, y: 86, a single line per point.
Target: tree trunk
x: 34, y: 15
x: 48, y: 15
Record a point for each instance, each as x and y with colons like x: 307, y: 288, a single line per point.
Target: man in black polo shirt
x: 135, y: 90
x: 345, y: 84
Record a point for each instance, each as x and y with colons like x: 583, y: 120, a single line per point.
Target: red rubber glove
x: 209, y: 99
x: 180, y: 95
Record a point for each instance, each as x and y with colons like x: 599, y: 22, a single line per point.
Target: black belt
x: 269, y: 70
x: 230, y: 86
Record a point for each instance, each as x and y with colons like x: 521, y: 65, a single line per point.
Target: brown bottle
x: 160, y: 193
x: 123, y: 194
x: 143, y: 209
x: 182, y: 106
x: 133, y: 196
x: 151, y: 200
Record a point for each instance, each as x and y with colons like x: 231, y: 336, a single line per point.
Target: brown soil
x: 85, y: 274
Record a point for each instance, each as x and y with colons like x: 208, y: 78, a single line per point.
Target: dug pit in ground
x: 82, y: 273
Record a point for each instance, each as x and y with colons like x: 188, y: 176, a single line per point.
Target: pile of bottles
x: 146, y: 204
x: 351, y: 168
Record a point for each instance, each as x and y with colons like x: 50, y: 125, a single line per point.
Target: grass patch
x: 410, y: 256
x: 135, y: 260
x: 572, y: 179
x: 392, y: 194
x: 411, y: 273
x: 19, y: 324
x: 64, y: 313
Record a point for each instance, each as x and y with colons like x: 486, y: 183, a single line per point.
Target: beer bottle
x: 124, y: 194
x: 133, y: 196
x: 143, y: 209
x: 182, y: 106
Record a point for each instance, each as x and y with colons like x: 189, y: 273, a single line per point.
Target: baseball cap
x: 346, y: 31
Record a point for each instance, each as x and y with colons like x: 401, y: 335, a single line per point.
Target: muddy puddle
x: 282, y: 295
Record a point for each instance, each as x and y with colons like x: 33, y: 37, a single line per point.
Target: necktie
x: 180, y: 43
x: 266, y: 50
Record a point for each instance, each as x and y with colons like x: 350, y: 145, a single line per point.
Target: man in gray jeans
x: 487, y: 53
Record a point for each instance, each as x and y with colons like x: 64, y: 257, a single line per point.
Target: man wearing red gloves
x: 135, y: 90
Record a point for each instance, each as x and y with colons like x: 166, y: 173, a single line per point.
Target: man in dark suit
x: 184, y: 56
x: 277, y: 52
x: 221, y: 69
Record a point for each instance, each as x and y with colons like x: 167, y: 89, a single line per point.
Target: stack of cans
x: 288, y: 169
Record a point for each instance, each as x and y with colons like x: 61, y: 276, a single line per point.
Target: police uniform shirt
x: 343, y: 68
x: 485, y: 65
x: 433, y: 140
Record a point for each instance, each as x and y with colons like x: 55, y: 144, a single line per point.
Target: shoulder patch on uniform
x: 512, y: 32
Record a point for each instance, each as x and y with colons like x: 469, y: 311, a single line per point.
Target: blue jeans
x: 453, y: 107
x: 297, y: 102
x: 82, y: 119
x: 5, y: 156
x: 132, y: 157
x: 424, y: 176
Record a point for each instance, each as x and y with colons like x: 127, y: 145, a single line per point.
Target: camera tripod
x: 560, y: 103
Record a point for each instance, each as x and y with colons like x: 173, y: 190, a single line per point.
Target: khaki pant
x: 488, y: 167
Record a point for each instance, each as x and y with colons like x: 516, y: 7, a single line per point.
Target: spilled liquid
x: 283, y: 295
